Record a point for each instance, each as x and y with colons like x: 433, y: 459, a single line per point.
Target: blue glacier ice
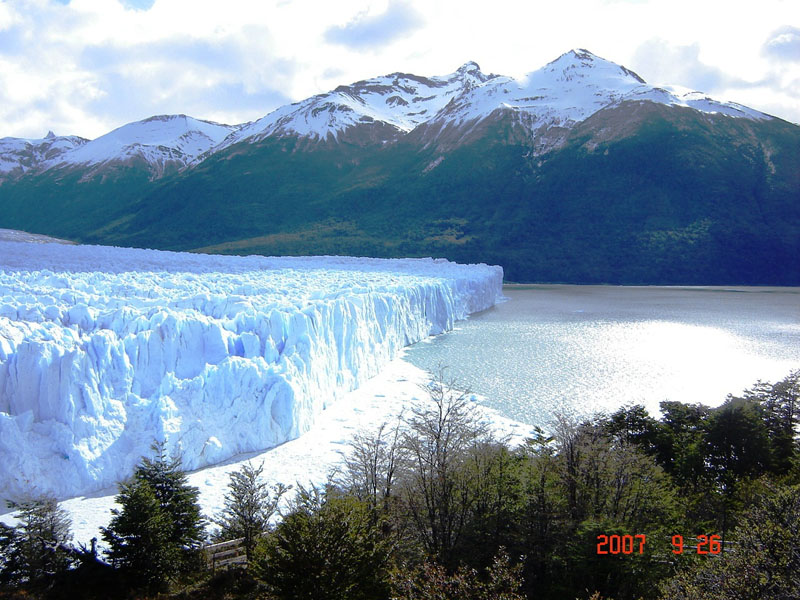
x: 105, y: 350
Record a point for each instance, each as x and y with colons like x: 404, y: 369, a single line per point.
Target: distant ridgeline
x: 581, y: 173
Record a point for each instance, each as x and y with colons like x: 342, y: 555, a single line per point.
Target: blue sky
x: 85, y: 67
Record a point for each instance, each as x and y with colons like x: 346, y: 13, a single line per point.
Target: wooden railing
x: 225, y: 554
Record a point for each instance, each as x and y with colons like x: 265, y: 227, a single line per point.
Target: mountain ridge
x: 579, y: 172
x: 583, y: 82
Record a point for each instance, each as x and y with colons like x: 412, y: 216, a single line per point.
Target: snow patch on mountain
x: 399, y: 100
x: 679, y: 96
x: 104, y: 350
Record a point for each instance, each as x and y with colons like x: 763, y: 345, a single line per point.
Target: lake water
x: 578, y: 350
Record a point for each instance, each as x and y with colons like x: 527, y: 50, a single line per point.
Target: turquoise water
x: 578, y: 350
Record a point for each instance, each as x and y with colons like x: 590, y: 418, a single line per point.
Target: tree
x: 780, y: 404
x: 567, y: 440
x: 158, y: 530
x: 591, y: 479
x: 39, y: 545
x: 682, y: 451
x: 764, y: 563
x: 249, y: 505
x: 541, y: 516
x: 738, y: 451
x: 496, y: 485
x: 633, y: 425
x: 174, y: 495
x: 438, y: 490
x: 373, y: 465
x: 327, y: 547
x: 738, y: 442
x: 8, y: 564
x: 140, y: 536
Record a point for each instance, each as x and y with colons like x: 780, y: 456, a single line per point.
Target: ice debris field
x: 105, y: 350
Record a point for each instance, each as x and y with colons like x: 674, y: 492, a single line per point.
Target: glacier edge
x: 105, y: 350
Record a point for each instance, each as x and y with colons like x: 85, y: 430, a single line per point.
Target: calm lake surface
x: 578, y: 350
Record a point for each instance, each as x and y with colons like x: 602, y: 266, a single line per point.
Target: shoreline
x: 655, y: 286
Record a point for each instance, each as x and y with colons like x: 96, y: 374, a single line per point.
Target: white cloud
x: 784, y: 44
x: 660, y: 62
x: 775, y: 90
x: 373, y: 31
x: 88, y: 66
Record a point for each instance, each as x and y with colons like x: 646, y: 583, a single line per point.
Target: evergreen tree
x: 737, y: 441
x: 249, y: 505
x: 541, y: 517
x: 175, y: 496
x: 682, y: 449
x: 39, y: 546
x: 8, y: 542
x: 159, y: 528
x: 139, y: 536
x: 633, y: 425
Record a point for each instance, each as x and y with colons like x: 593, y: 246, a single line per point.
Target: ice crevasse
x: 105, y: 350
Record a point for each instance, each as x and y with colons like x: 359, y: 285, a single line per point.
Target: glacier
x: 105, y: 350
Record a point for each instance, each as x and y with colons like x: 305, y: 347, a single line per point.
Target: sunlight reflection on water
x: 583, y: 349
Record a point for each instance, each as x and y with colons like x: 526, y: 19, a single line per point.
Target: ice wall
x: 104, y: 350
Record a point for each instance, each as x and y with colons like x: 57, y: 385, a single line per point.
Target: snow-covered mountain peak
x: 161, y: 141
x: 564, y: 92
x: 576, y: 56
x: 19, y: 155
x: 543, y: 105
x: 469, y: 67
x: 581, y: 55
x: 470, y: 73
x: 547, y: 102
x: 397, y: 102
x: 580, y: 63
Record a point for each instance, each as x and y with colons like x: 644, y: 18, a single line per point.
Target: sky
x: 85, y: 67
